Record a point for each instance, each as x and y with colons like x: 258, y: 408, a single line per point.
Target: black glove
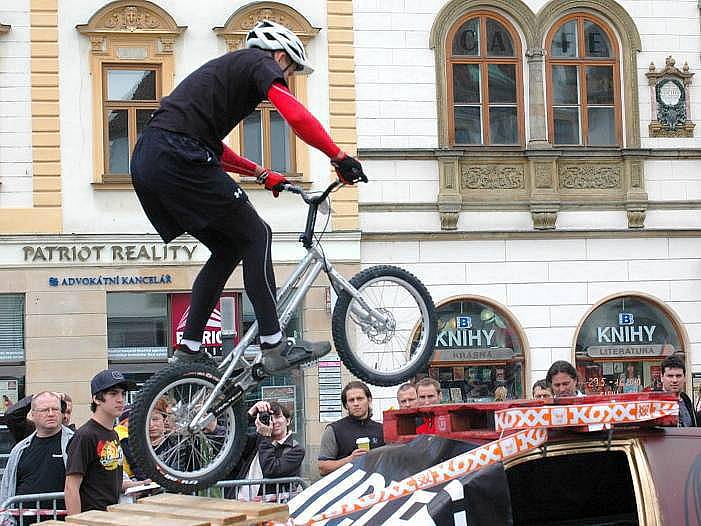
x: 349, y: 170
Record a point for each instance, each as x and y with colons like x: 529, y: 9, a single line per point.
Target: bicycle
x: 383, y: 327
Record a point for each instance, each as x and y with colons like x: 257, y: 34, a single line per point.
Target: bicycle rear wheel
x: 385, y: 353
x: 182, y: 459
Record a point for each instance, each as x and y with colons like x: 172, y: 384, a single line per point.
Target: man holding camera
x: 270, y: 452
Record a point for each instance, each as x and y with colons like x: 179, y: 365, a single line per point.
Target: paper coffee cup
x: 363, y: 443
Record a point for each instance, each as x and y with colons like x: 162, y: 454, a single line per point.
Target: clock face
x: 670, y: 93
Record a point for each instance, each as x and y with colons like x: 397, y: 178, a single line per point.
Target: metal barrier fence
x: 3, y: 462
x: 267, y: 490
x: 15, y: 511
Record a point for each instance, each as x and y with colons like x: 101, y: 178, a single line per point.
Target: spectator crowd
x: 92, y: 464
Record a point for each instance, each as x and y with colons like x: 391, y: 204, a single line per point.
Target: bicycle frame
x: 289, y: 296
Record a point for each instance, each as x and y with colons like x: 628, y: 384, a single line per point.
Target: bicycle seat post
x: 228, y: 326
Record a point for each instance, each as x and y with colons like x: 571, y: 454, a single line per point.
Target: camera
x: 264, y: 418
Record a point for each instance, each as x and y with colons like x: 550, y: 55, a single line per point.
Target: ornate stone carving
x: 544, y: 220
x: 587, y: 176
x: 239, y: 24
x: 636, y: 218
x: 449, y: 207
x: 448, y: 176
x: 535, y: 53
x: 670, y: 100
x: 97, y: 45
x: 657, y: 129
x: 543, y: 179
x: 166, y: 44
x: 265, y: 13
x: 131, y: 18
x: 492, y: 177
x: 669, y: 70
x: 636, y: 175
x: 449, y: 220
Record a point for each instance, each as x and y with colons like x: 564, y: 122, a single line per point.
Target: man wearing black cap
x: 94, y: 468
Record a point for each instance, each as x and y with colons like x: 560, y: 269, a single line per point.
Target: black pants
x: 239, y: 236
x: 182, y: 188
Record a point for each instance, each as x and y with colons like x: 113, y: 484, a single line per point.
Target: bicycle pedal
x: 310, y: 363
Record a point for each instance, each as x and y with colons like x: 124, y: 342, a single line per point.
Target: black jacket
x: 276, y: 460
x: 683, y: 397
x: 15, y: 419
x: 347, y: 430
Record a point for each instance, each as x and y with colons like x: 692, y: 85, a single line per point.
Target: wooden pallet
x: 182, y: 510
x: 255, y: 511
x: 108, y: 518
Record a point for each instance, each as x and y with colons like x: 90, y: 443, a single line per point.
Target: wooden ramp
x: 183, y: 510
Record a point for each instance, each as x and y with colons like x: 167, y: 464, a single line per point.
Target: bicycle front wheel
x: 163, y: 445
x: 388, y: 351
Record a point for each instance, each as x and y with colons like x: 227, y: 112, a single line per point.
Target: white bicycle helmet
x: 273, y: 36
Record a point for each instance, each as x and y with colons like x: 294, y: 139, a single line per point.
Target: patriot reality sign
x: 479, y: 497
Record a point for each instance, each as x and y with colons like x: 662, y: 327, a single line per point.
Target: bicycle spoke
x: 183, y: 452
x: 386, y: 347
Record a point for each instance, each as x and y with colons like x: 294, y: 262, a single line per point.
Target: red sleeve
x: 304, y: 124
x: 233, y: 162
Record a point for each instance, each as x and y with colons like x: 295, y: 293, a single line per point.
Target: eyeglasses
x: 47, y: 410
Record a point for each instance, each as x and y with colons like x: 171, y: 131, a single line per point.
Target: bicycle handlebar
x: 311, y: 199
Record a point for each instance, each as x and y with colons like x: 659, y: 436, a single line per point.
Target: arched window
x: 485, y: 86
x: 583, y: 83
x: 479, y: 347
x: 622, y: 341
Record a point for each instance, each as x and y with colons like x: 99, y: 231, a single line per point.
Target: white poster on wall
x: 9, y: 391
x: 330, y: 386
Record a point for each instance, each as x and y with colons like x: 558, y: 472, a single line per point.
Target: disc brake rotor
x: 381, y: 333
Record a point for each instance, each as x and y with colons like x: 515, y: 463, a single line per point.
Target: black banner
x: 478, y: 499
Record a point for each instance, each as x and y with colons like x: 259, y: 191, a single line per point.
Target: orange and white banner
x: 473, y: 460
x: 612, y: 412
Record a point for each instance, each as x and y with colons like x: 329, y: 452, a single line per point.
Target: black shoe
x: 183, y: 354
x: 286, y: 354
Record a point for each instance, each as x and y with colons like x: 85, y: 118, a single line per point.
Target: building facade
x: 534, y: 163
x: 85, y: 282
x: 526, y: 165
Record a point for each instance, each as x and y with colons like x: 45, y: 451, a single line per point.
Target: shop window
x: 583, y: 83
x: 479, y: 347
x: 11, y: 328
x: 137, y: 326
x: 621, y: 343
x: 132, y: 67
x: 484, y: 82
x: 131, y: 94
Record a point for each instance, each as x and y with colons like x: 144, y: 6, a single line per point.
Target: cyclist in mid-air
x: 179, y: 166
